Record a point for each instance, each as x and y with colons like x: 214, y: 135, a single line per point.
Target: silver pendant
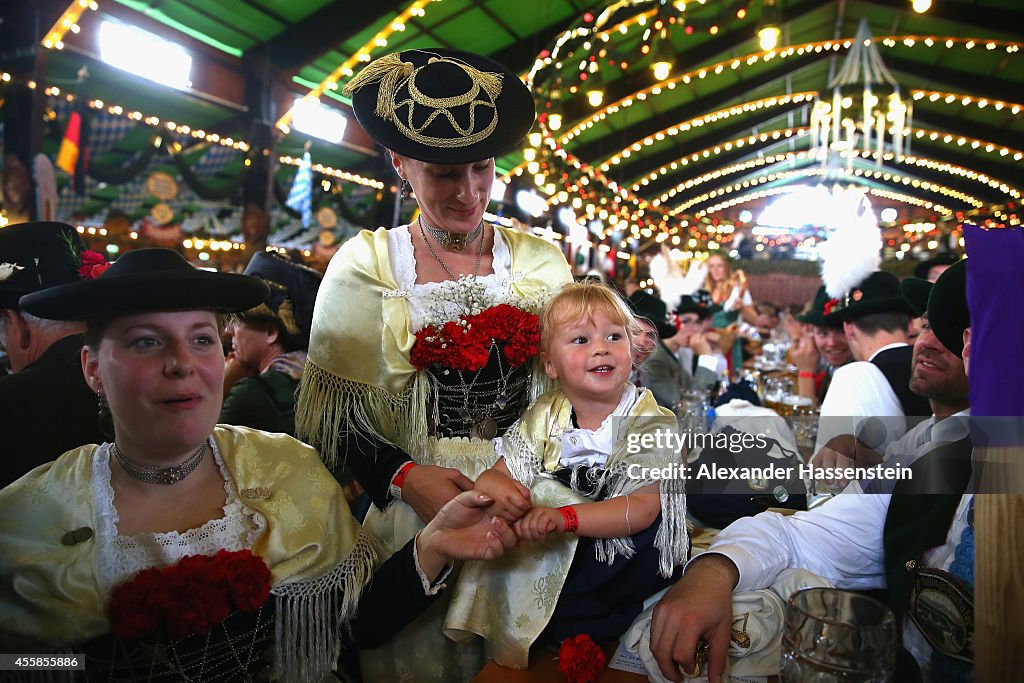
x: 487, y: 429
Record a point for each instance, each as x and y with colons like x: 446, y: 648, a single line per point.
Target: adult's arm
x: 373, y: 463
x: 840, y: 540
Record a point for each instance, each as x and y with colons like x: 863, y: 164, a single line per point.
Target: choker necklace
x: 152, y: 474
x: 479, y: 253
x: 452, y: 241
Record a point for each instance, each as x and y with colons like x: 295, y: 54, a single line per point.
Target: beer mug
x: 835, y: 636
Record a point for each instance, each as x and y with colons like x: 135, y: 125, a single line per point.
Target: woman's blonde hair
x: 576, y: 300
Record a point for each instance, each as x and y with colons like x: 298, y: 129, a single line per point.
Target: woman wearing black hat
x: 187, y: 549
x: 424, y: 335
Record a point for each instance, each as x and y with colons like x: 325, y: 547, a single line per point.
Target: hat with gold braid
x: 442, y: 106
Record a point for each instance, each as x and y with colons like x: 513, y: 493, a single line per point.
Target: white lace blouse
x: 121, y: 557
x: 438, y: 295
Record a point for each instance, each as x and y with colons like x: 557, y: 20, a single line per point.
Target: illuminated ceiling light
x: 769, y: 33
x: 664, y: 56
x: 145, y: 54
x: 921, y: 6
x: 595, y: 95
x: 313, y: 118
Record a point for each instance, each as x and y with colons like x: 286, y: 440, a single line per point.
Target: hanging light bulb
x: 664, y: 56
x: 769, y: 33
x: 595, y: 95
x: 555, y: 121
x: 921, y: 6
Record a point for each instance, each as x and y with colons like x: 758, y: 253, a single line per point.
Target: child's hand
x: 511, y: 499
x: 538, y: 523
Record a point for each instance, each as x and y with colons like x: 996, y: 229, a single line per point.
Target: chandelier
x: 865, y: 109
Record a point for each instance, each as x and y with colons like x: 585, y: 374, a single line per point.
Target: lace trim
x: 422, y: 297
x: 118, y: 558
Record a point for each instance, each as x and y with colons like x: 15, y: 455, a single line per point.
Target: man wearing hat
x: 664, y: 373
x: 819, y: 354
x: 875, y: 317
x: 860, y: 542
x: 932, y: 268
x: 269, y: 342
x: 46, y: 408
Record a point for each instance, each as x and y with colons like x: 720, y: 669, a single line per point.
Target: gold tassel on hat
x: 287, y: 317
x: 391, y: 71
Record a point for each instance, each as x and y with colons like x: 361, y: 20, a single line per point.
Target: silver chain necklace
x: 151, y: 474
x: 451, y: 241
x: 479, y: 253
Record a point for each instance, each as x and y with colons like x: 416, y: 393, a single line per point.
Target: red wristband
x: 572, y: 522
x: 804, y: 374
x: 402, y: 473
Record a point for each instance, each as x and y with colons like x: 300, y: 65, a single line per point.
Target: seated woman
x: 188, y: 551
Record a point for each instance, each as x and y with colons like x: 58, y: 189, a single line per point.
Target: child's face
x: 590, y: 358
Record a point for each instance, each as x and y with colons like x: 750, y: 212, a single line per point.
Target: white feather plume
x: 670, y: 279
x: 853, y: 249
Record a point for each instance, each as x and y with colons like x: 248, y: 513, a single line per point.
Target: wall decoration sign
x: 326, y: 217
x: 162, y: 186
x: 161, y: 214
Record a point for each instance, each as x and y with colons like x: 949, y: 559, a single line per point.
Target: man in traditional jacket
x: 46, y: 408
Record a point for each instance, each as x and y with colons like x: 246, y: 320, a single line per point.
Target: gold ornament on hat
x: 393, y: 74
x: 287, y: 316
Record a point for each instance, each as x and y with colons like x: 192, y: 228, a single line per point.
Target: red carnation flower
x: 466, y: 344
x: 92, y: 265
x: 248, y: 577
x: 137, y: 607
x: 580, y: 660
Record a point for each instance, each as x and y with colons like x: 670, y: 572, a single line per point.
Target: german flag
x: 73, y: 157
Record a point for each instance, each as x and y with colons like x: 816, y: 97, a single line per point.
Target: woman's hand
x: 805, y: 354
x: 511, y: 499
x: 698, y: 608
x: 428, y: 488
x: 464, y: 529
x: 537, y: 523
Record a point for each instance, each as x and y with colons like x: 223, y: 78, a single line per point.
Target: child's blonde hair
x: 576, y: 300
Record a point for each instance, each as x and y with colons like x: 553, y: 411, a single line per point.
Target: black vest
x: 895, y: 364
x: 920, y: 513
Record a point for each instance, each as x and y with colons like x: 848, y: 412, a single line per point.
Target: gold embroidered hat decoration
x: 293, y: 289
x: 442, y: 106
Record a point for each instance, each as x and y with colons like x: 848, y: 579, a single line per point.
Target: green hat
x: 948, y: 314
x: 814, y: 314
x: 879, y: 292
x: 442, y: 106
x: 147, y: 280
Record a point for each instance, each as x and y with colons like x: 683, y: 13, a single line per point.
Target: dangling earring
x: 406, y: 189
x: 104, y: 417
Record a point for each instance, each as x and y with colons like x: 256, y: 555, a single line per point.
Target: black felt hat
x: 699, y: 302
x: 442, y: 106
x: 293, y: 289
x: 948, y: 314
x: 652, y: 309
x: 922, y: 269
x: 915, y: 291
x: 879, y: 292
x: 147, y: 280
x: 34, y: 256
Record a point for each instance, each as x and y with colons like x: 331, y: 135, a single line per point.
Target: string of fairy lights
x: 568, y: 180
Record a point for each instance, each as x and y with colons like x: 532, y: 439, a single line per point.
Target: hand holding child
x: 511, y: 499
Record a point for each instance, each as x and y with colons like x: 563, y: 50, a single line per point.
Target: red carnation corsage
x: 580, y: 660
